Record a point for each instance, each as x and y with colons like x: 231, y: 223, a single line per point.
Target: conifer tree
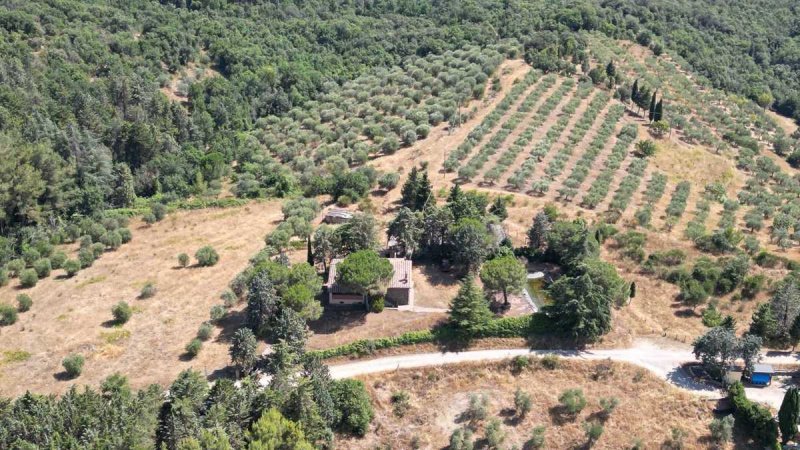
x: 659, y: 113
x: 653, y: 106
x: 469, y: 310
x: 635, y: 91
x: 423, y: 192
x: 789, y: 414
x: 410, y: 188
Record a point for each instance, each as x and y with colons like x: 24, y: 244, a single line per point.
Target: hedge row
x: 755, y: 419
x: 507, y: 327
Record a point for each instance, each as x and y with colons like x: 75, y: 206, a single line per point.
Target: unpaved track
x: 662, y: 360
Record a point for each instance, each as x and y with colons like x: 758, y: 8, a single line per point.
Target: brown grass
x: 649, y: 408
x: 72, y: 315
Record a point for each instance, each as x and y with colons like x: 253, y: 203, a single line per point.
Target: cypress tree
x: 789, y: 414
x: 410, y: 188
x: 309, y: 252
x: 653, y: 106
x: 633, y: 289
x: 659, y: 110
x: 635, y: 91
x: 423, y: 192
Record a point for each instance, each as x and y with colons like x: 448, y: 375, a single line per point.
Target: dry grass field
x: 648, y: 407
x: 74, y: 315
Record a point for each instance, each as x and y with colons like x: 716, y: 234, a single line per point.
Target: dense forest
x: 86, y: 123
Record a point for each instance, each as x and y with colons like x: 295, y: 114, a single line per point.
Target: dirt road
x: 662, y: 359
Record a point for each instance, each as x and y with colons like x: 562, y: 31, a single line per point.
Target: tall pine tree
x: 635, y: 91
x: 410, y: 188
x: 653, y: 106
x: 789, y: 414
x: 424, y: 192
x: 469, y: 310
x: 659, y: 113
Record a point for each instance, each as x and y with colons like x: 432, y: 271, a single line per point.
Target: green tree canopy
x: 365, y: 272
x: 504, y: 274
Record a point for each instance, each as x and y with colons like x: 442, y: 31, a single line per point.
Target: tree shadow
x: 333, y: 321
x: 560, y: 416
x: 186, y: 357
x: 63, y: 376
x: 686, y: 312
x: 222, y: 372
x: 111, y: 323
x: 229, y: 324
x: 435, y: 276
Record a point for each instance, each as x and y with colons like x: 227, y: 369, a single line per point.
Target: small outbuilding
x: 337, y: 215
x: 762, y: 375
x: 399, y: 293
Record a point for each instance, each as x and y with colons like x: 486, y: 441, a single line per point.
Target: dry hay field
x: 74, y: 315
x: 648, y: 410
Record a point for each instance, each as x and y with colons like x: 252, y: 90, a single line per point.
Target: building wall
x: 399, y: 296
x: 347, y: 301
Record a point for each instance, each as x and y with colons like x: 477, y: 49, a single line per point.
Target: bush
x: 376, y: 304
x: 755, y: 419
x: 125, y: 234
x: 149, y: 218
x: 112, y: 240
x: 3, y: 276
x: 8, y: 315
x: 86, y: 241
x: 72, y: 267
x: 122, y: 312
x: 193, y: 347
x: 73, y: 365
x: 206, y: 256
x: 24, y: 302
x: 28, y: 278
x: 159, y: 211
x: 183, y: 260
x: 205, y: 331
x: 148, y: 290
x: 98, y: 248
x: 352, y: 401
x: 58, y: 259
x: 400, y: 403
x: 388, y: 181
x: 86, y: 257
x: 573, y: 401
x: 217, y: 313
x: 42, y: 267
x: 15, y: 267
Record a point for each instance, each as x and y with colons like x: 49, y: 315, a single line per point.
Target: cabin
x: 400, y: 292
x: 762, y: 375
x: 337, y: 215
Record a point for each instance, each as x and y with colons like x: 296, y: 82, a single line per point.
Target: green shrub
x: 205, y: 331
x: 8, y: 315
x: 573, y: 401
x: 193, y: 347
x: 550, y: 362
x: 86, y: 257
x: 24, y: 302
x: 352, y: 401
x: 755, y: 420
x: 28, y: 278
x: 376, y: 304
x: 149, y: 218
x: 112, y: 240
x: 73, y: 365
x: 159, y: 211
x: 72, y: 267
x: 125, y: 234
x: 148, y: 290
x: 15, y: 267
x: 183, y: 260
x: 3, y: 276
x: 98, y: 249
x: 206, y: 256
x: 57, y: 259
x: 229, y: 298
x: 29, y: 255
x: 122, y: 312
x: 86, y: 241
x: 217, y: 313
x: 42, y: 267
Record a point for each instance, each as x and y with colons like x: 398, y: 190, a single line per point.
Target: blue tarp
x: 761, y: 378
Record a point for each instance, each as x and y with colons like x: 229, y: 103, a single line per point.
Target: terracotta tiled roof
x: 401, y: 279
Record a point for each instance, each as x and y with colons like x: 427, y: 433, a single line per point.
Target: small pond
x: 535, y: 288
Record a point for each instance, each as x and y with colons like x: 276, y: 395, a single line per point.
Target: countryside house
x: 400, y: 292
